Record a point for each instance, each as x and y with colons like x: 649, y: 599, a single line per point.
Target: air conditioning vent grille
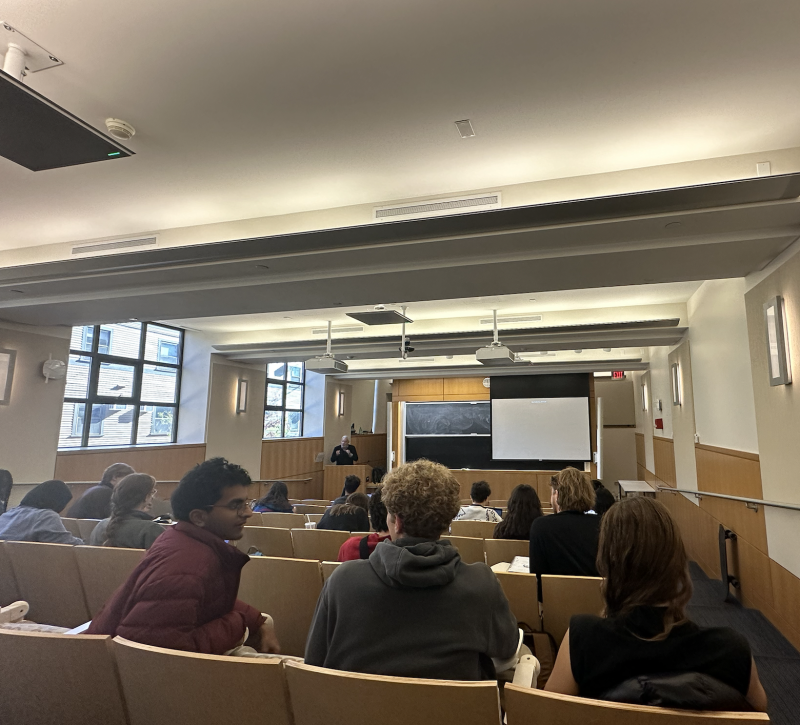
x: 115, y: 245
x: 436, y: 207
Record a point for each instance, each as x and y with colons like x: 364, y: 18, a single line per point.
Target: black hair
x: 480, y: 491
x: 202, y: 487
x: 377, y: 511
x: 351, y: 484
x: 115, y: 470
x: 278, y: 495
x: 53, y: 495
x: 523, y: 507
x: 6, y: 482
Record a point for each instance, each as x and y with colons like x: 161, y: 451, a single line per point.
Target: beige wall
x: 29, y: 424
x: 232, y: 435
x: 778, y: 413
x: 682, y: 416
x: 359, y: 397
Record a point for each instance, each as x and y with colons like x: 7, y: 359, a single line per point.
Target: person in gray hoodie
x: 414, y: 609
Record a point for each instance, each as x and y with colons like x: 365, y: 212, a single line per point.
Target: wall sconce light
x: 675, y: 376
x: 780, y: 367
x: 644, y: 398
x: 241, y: 396
x: 341, y: 404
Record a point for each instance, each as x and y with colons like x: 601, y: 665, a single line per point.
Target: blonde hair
x: 575, y: 491
x: 425, y: 495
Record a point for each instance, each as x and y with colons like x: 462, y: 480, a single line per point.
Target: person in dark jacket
x: 348, y: 516
x: 603, y: 498
x: 96, y: 501
x: 644, y: 629
x: 344, y: 454
x: 524, y: 508
x: 130, y: 526
x: 351, y: 484
x: 183, y: 593
x: 414, y: 609
x: 36, y: 518
x: 276, y: 500
x: 361, y: 548
x: 566, y: 541
x: 6, y: 482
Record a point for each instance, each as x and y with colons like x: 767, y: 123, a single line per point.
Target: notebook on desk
x: 520, y: 565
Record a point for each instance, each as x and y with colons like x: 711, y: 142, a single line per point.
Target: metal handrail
x: 752, y: 503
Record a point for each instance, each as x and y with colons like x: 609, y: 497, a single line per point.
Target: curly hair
x: 202, y: 487
x: 575, y: 491
x: 425, y: 495
x: 377, y: 510
x: 130, y: 493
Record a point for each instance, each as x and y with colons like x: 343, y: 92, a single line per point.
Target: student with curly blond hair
x: 414, y: 609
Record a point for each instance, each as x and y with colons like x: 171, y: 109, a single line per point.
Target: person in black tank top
x: 644, y: 630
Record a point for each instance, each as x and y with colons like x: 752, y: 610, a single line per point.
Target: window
x: 283, y: 401
x: 123, y: 385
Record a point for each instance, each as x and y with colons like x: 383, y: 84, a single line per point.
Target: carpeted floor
x: 777, y: 660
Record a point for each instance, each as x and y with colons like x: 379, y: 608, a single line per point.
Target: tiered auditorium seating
x: 498, y: 550
x: 281, y: 521
x: 564, y: 596
x: 268, y: 540
x: 103, y: 569
x: 474, y: 529
x: 319, y: 544
x: 471, y: 549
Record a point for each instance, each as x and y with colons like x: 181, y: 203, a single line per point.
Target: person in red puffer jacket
x: 183, y: 593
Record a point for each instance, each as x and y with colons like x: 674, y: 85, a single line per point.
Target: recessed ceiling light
x: 465, y: 128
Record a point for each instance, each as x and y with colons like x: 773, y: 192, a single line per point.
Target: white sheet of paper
x: 520, y: 565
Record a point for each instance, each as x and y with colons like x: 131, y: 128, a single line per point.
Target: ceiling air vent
x: 115, y: 245
x: 439, y: 207
x: 511, y: 318
x: 337, y: 328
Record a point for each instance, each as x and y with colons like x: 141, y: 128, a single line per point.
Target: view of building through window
x: 123, y: 385
x: 283, y: 402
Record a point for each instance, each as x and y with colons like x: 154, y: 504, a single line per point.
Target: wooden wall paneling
x: 640, y: 454
x: 751, y: 567
x: 371, y: 449
x: 501, y: 482
x: 465, y: 389
x: 466, y: 397
x: 664, y: 454
x: 167, y: 463
x: 290, y: 457
x: 730, y: 472
x: 734, y: 515
x: 786, y: 595
x: 430, y: 388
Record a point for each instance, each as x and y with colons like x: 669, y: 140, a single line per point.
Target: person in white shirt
x: 477, y: 510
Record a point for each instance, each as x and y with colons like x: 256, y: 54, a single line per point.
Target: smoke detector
x: 119, y: 129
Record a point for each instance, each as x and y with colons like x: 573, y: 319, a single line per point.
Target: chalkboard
x: 436, y: 419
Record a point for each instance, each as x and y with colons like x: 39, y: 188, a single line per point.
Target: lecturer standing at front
x: 344, y: 454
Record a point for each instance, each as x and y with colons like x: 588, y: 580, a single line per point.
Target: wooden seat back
x: 48, y: 579
x: 498, y: 550
x: 282, y: 521
x: 71, y: 525
x: 565, y: 596
x: 307, y: 508
x: 86, y: 526
x: 328, y: 567
x: 103, y: 570
x: 167, y: 687
x: 316, y: 518
x: 533, y: 707
x: 58, y: 678
x: 287, y: 589
x: 319, y: 544
x: 269, y: 541
x: 9, y: 591
x: 470, y: 549
x: 316, y: 502
x: 320, y: 696
x: 522, y: 593
x: 474, y: 529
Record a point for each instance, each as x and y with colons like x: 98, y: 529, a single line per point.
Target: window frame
x: 92, y: 399
x: 282, y: 408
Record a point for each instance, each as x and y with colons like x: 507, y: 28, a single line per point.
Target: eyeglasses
x: 240, y: 508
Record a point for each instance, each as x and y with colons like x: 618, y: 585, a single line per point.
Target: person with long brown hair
x: 348, y: 516
x: 129, y: 526
x: 524, y: 508
x: 644, y: 629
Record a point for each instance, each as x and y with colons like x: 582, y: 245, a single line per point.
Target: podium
x: 333, y: 480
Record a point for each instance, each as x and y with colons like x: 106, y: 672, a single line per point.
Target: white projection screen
x: 555, y: 429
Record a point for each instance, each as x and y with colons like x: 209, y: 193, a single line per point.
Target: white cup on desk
x: 311, y: 524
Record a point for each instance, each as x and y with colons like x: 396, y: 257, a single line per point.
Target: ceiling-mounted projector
x: 495, y: 355
x: 326, y: 365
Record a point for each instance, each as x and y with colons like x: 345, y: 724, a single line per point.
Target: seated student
x: 96, y: 501
x: 414, y: 609
x: 351, y: 484
x: 477, y: 511
x: 603, y: 498
x: 523, y: 508
x: 276, y: 500
x: 566, y: 541
x: 183, y: 593
x: 129, y: 526
x: 361, y: 548
x: 36, y: 518
x: 6, y: 482
x: 644, y: 629
x: 348, y: 516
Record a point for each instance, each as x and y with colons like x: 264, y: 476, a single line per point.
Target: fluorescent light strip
x: 512, y: 318
x: 337, y: 328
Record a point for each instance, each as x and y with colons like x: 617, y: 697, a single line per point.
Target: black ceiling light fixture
x: 35, y: 132
x: 380, y: 316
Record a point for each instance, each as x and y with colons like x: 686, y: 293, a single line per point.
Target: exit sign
x: 618, y: 374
